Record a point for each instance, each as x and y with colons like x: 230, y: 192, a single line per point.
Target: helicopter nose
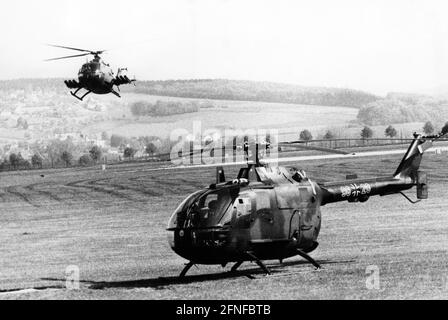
x: 197, y: 238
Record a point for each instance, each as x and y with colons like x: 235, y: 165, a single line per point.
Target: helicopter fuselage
x: 94, y: 76
x: 254, y: 218
x: 274, y: 213
x: 272, y: 219
x: 97, y: 77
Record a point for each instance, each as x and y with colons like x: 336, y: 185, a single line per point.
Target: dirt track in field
x: 111, y: 225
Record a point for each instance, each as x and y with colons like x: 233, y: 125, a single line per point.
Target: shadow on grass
x: 162, y: 282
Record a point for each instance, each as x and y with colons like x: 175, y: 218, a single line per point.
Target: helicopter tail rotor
x: 410, y: 164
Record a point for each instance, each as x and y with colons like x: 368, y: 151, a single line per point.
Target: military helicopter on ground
x: 274, y: 213
x: 95, y: 76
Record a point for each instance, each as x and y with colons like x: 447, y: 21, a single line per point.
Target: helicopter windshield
x: 179, y: 216
x: 211, y: 209
x: 205, y: 209
x: 89, y: 68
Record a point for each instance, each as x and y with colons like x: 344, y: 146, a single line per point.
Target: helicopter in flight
x: 95, y: 76
x: 274, y: 213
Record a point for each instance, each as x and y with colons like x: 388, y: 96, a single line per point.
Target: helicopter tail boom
x: 361, y: 190
x: 405, y: 177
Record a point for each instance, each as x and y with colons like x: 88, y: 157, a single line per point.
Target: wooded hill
x: 221, y: 90
x: 402, y: 108
x: 255, y: 91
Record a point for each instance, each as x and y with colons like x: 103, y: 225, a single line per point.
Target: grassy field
x: 112, y: 226
x: 288, y: 119
x: 234, y: 114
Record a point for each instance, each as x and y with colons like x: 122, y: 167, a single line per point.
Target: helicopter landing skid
x: 186, y: 269
x: 236, y: 266
x: 307, y: 257
x: 76, y: 96
x: 257, y: 261
x: 116, y: 93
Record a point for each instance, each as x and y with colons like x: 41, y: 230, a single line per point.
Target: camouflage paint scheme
x: 97, y: 77
x: 275, y: 213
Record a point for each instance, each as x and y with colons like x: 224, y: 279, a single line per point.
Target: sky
x: 376, y: 46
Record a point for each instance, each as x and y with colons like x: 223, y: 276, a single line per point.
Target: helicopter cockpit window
x: 211, y: 209
x: 95, y: 67
x: 299, y: 176
x: 180, y: 214
x: 85, y: 70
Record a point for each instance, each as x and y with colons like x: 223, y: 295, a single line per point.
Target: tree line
x: 60, y: 154
x: 367, y: 132
x: 163, y: 108
x: 256, y: 91
x: 15, y: 161
x: 402, y: 108
x: 220, y: 89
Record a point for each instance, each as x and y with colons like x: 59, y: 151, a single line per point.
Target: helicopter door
x: 299, y: 205
x: 266, y: 225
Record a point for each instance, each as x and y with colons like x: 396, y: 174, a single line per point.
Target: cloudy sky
x: 378, y: 46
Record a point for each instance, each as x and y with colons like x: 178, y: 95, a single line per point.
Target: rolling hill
x: 219, y: 89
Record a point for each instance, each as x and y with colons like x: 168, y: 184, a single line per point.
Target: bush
x: 96, y: 153
x: 329, y: 135
x: 85, y: 160
x: 305, y: 135
x: 37, y: 161
x: 5, y: 165
x: 67, y: 157
x: 428, y: 128
x: 151, y: 148
x: 129, y: 153
x: 445, y: 129
x: 14, y: 160
x: 163, y: 108
x: 56, y: 148
x: 17, y: 161
x: 390, y: 132
x: 26, y: 164
x: 366, y: 133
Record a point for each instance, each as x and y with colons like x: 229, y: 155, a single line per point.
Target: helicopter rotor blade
x: 69, y: 57
x: 77, y: 49
x: 305, y: 147
x: 180, y: 154
x: 190, y: 154
x: 69, y: 48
